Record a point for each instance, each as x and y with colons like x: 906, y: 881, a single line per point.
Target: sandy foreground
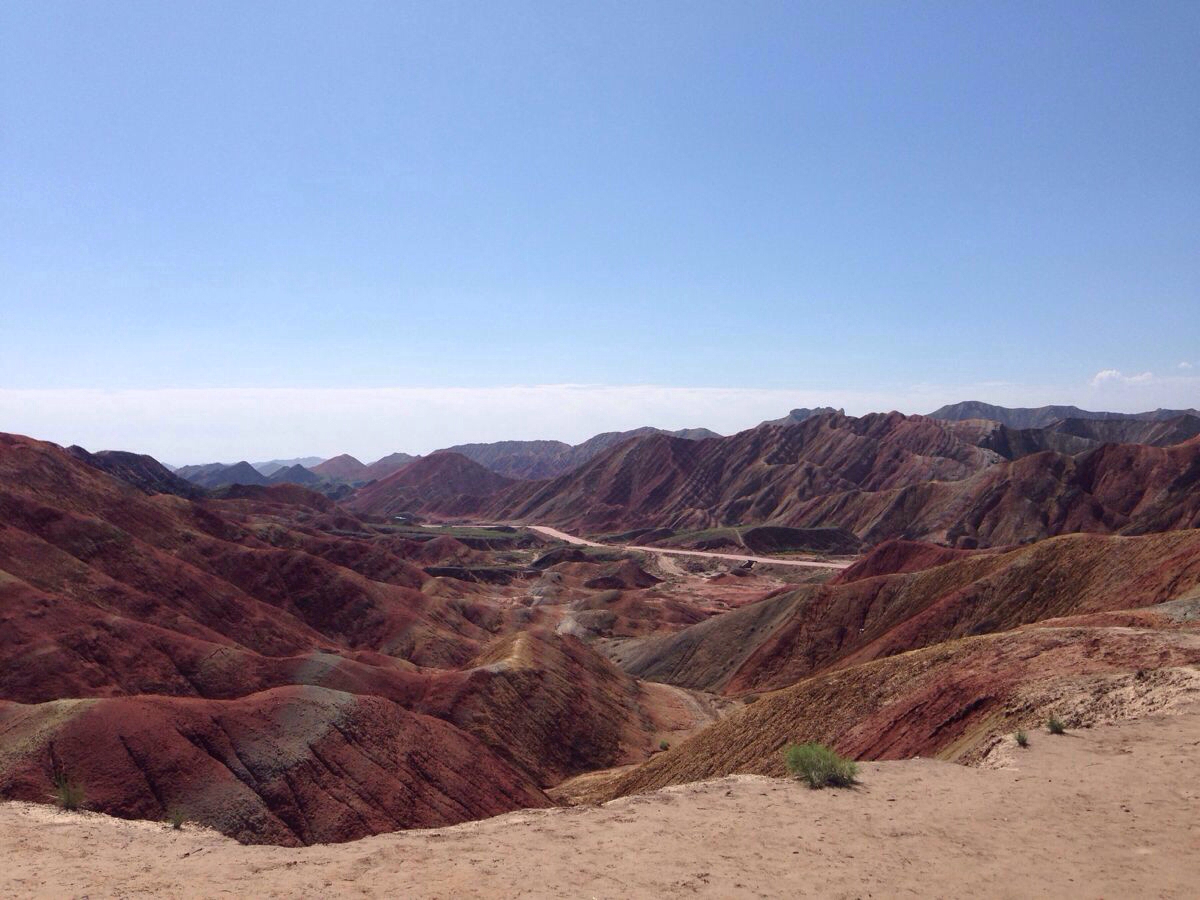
x: 1110, y: 812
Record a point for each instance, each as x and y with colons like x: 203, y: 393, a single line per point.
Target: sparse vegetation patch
x: 820, y: 766
x: 1055, y: 725
x: 1022, y: 738
x: 68, y: 793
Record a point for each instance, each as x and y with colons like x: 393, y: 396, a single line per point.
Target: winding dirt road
x: 767, y: 560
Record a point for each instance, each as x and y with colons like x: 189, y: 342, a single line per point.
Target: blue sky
x: 877, y: 203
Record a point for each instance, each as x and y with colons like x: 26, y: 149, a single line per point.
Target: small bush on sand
x: 1055, y: 725
x: 663, y: 745
x: 176, y: 817
x: 68, y: 793
x: 1022, y: 738
x: 820, y: 766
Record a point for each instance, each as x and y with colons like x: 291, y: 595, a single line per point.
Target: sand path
x: 661, y: 551
x: 1108, y: 812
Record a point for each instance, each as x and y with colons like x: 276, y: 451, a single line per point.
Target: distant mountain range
x: 340, y: 468
x: 799, y: 415
x: 334, y: 477
x: 215, y: 475
x: 547, y: 459
x: 382, y: 468
x: 272, y: 466
x: 1016, y: 433
x: 512, y: 459
x: 1041, y: 416
x: 296, y: 474
x: 964, y: 483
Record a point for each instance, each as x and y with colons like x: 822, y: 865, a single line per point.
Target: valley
x: 447, y: 644
x: 658, y: 551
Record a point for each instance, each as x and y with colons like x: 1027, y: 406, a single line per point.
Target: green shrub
x: 663, y: 745
x: 68, y: 793
x: 176, y: 817
x: 1022, y: 738
x: 820, y: 766
x: 1055, y: 725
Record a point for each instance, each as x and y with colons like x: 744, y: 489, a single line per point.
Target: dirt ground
x: 1112, y: 811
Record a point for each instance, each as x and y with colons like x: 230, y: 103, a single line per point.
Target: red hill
x: 269, y: 662
x: 880, y: 477
x: 340, y: 468
x: 953, y: 701
x: 819, y: 628
x: 757, y: 476
x: 384, y: 467
x: 446, y: 483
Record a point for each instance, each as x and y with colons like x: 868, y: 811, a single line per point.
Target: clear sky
x: 874, y: 204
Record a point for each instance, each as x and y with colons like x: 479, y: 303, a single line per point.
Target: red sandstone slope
x: 1121, y: 488
x: 443, y: 482
x: 952, y: 700
x: 522, y: 459
x: 157, y: 633
x: 760, y: 475
x: 294, y: 765
x: 143, y: 472
x: 897, y: 556
x: 1075, y: 436
x: 792, y: 636
x: 881, y: 477
x: 182, y: 566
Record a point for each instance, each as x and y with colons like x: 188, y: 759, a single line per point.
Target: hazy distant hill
x: 296, y: 474
x: 272, y: 466
x: 216, y: 475
x: 335, y: 477
x: 799, y: 415
x: 1041, y: 416
x: 531, y: 460
x: 341, y: 468
x: 386, y: 466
